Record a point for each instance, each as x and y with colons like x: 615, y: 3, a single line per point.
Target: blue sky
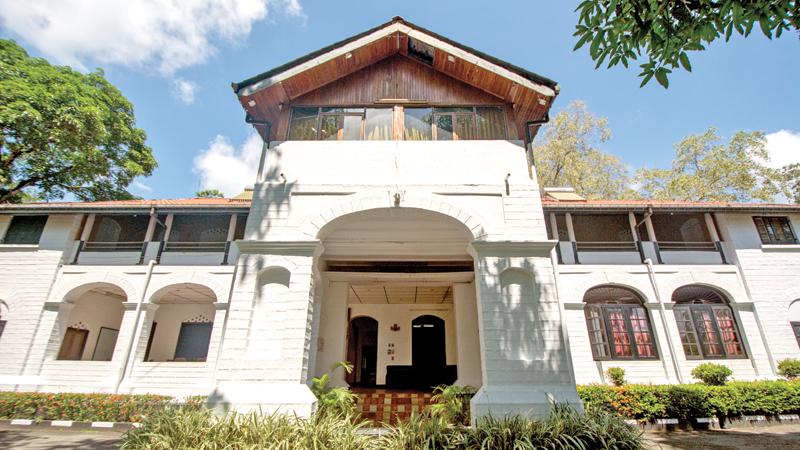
x: 175, y: 61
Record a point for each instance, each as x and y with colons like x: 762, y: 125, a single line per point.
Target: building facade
x: 396, y: 223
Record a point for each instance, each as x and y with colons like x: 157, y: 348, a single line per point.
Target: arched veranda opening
x: 395, y: 265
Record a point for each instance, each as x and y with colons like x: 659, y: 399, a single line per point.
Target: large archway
x: 91, y: 322
x: 401, y: 267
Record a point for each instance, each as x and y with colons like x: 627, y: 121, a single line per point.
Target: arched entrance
x: 428, y: 351
x: 362, y: 351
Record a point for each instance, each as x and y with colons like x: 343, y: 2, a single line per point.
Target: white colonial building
x: 396, y: 223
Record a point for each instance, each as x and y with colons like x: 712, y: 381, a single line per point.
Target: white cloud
x: 230, y: 170
x: 783, y: 147
x: 141, y: 186
x: 184, y: 90
x: 163, y: 34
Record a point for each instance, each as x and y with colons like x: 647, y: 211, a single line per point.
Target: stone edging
x: 71, y: 424
x: 702, y: 423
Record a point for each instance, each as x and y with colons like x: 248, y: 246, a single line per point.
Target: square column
x: 465, y: 310
x: 265, y: 353
x: 331, y: 343
x: 524, y: 359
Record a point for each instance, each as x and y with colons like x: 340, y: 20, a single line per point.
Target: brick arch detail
x: 160, y: 285
x: 67, y: 286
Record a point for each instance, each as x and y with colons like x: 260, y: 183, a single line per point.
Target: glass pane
x: 680, y: 228
x: 352, y: 128
x: 303, y: 124
x: 341, y: 110
x: 490, y: 123
x: 640, y: 324
x: 444, y: 128
x: 200, y: 228
x: 728, y: 331
x: 686, y: 330
x: 417, y: 124
x: 378, y: 124
x: 453, y: 109
x: 330, y: 128
x: 619, y: 333
x: 25, y: 230
x: 241, y: 225
x: 465, y: 127
x: 193, y: 341
x: 597, y: 336
x: 709, y: 340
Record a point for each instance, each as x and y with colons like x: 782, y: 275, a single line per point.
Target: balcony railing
x: 90, y: 246
x: 606, y: 246
x: 205, y: 247
x: 668, y: 246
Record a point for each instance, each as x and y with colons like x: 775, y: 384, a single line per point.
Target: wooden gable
x: 378, y: 65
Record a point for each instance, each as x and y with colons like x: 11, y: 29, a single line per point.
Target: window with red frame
x: 618, y: 324
x: 706, y: 324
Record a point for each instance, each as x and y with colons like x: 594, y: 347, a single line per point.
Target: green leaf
x: 766, y: 26
x: 647, y: 77
x: 684, y: 59
x: 583, y: 40
x: 661, y: 77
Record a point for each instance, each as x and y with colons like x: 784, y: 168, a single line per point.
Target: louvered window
x: 775, y: 230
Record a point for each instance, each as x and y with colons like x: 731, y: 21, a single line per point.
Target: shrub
x: 647, y: 402
x: 184, y: 428
x: 563, y: 428
x: 80, y: 407
x: 616, y: 375
x: 789, y: 368
x: 451, y: 403
x: 712, y: 374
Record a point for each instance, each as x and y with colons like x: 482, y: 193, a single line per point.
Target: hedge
x: 79, y: 407
x: 686, y: 401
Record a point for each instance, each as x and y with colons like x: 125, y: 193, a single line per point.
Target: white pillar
x: 331, y: 342
x: 525, y: 364
x: 465, y: 310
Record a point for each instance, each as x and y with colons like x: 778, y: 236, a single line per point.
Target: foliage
x: 80, y: 407
x: 616, y: 375
x: 620, y: 31
x: 182, y: 428
x: 64, y: 132
x: 563, y: 428
x: 789, y: 368
x: 451, y: 403
x: 338, y: 401
x: 209, y: 193
x: 791, y: 175
x: 704, y: 169
x: 712, y: 374
x: 650, y: 402
x: 568, y: 155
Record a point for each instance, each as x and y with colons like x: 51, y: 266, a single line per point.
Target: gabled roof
x: 264, y: 96
x: 252, y: 84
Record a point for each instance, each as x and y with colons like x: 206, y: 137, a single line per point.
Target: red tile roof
x: 662, y: 204
x: 135, y: 204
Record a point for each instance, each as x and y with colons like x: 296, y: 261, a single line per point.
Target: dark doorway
x: 362, y: 351
x: 428, y: 351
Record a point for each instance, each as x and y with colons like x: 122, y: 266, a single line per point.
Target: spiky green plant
x: 451, y: 403
x: 338, y: 401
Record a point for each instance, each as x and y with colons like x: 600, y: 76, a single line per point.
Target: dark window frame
x: 700, y: 337
x: 38, y: 231
x: 775, y: 230
x: 796, y: 329
x: 606, y: 331
x: 185, y: 326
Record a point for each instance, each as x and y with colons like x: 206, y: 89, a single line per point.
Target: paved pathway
x: 773, y: 437
x: 52, y: 439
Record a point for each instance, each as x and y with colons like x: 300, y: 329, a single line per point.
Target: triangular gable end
x: 264, y: 96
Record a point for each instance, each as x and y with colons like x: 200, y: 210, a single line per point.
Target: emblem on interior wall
x: 395, y: 327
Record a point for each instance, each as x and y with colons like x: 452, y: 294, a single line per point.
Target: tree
x: 64, y: 132
x: 791, y: 174
x: 209, y: 193
x: 705, y: 169
x: 568, y: 156
x: 620, y: 31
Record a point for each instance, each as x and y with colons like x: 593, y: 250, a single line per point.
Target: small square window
x: 25, y: 230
